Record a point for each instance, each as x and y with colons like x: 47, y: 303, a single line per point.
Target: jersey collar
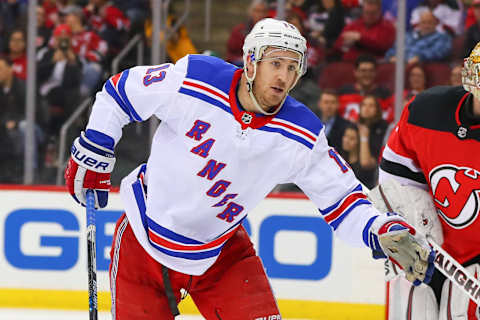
x: 465, y: 130
x: 245, y: 118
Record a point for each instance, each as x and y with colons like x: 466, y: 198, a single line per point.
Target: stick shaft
x: 91, y: 257
x: 459, y: 276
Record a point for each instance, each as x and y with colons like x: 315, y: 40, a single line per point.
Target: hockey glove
x: 390, y: 236
x: 89, y: 167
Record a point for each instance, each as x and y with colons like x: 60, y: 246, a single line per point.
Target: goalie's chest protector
x: 446, y: 143
x: 210, y: 164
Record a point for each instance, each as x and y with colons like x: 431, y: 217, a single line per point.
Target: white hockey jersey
x: 211, y: 162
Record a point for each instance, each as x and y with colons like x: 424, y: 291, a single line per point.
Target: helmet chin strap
x: 258, y: 108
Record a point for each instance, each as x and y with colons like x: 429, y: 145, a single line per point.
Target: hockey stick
x: 447, y: 265
x: 455, y: 272
x: 92, y: 260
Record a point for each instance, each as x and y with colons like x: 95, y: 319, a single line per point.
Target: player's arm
x: 330, y: 183
x: 399, y: 159
x: 133, y: 95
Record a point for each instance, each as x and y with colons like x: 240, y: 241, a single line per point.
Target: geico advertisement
x: 43, y: 246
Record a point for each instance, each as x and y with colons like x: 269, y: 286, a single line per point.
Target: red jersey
x: 349, y: 99
x: 89, y: 46
x: 108, y: 15
x: 436, y: 145
x: 19, y: 67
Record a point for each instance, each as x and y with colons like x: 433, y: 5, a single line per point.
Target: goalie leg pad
x: 455, y: 304
x: 406, y: 301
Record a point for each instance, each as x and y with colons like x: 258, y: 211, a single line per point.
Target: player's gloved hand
x: 89, y: 167
x: 390, y: 236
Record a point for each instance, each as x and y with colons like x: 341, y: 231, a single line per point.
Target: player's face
x: 276, y: 74
x: 350, y: 140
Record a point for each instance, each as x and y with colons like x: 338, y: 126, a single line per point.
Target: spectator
x: 88, y: 46
x: 417, y: 82
x: 334, y: 124
x: 351, y: 95
x: 327, y: 22
x: 136, y: 11
x: 370, y: 34
x: 17, y: 53
x: 425, y: 44
x: 52, y: 8
x: 390, y: 8
x: 179, y: 43
x: 351, y: 153
x: 11, y: 17
x: 456, y: 75
x: 11, y: 161
x: 448, y: 14
x: 108, y: 22
x: 59, y: 76
x: 372, y: 129
x: 472, y: 36
x: 12, y: 112
x: 43, y: 32
x: 257, y: 10
x: 12, y: 94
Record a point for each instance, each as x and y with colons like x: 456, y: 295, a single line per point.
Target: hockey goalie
x: 430, y: 173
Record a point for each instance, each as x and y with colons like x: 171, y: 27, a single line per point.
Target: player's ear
x: 249, y: 67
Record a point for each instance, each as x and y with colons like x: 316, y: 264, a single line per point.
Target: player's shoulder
x: 299, y: 116
x: 435, y: 106
x: 209, y: 70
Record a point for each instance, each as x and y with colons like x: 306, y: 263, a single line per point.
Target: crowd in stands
x: 349, y: 83
x: 351, y: 55
x: 75, y: 44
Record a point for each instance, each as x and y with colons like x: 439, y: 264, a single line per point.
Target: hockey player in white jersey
x: 227, y: 137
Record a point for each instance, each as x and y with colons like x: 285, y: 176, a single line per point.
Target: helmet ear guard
x: 272, y: 33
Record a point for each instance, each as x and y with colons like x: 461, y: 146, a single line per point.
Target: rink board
x: 313, y: 274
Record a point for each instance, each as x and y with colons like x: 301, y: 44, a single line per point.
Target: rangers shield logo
x: 456, y: 193
x: 246, y: 118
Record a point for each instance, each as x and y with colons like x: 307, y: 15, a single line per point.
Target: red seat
x: 386, y: 75
x: 437, y: 74
x: 336, y: 74
x: 458, y: 50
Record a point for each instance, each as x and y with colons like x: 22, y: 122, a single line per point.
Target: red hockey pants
x: 234, y: 287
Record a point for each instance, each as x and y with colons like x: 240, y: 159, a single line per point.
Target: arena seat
x: 386, y: 75
x: 438, y: 73
x: 336, y: 74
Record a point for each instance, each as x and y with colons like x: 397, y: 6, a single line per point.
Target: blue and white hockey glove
x: 390, y: 236
x: 89, y: 167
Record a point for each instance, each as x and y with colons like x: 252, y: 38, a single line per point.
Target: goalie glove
x: 390, y: 236
x: 89, y: 167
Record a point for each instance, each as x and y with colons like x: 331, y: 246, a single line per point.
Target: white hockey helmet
x: 471, y: 72
x: 278, y: 34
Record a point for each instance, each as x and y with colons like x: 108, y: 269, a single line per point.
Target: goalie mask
x: 271, y: 33
x: 471, y: 72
